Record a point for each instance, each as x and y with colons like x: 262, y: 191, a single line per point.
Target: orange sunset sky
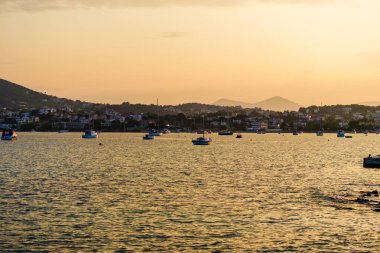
x: 181, y: 51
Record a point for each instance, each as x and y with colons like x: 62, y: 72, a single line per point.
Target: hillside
x: 16, y: 97
x: 274, y: 104
x: 228, y: 102
x: 278, y: 104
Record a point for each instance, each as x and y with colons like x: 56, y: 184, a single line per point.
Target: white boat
x: 90, y: 134
x: 8, y: 135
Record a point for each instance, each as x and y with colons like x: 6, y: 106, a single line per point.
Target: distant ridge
x: 276, y: 103
x: 373, y: 103
x: 228, y: 102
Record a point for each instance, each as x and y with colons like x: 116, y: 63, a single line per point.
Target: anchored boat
x: 8, y: 135
x: 202, y: 140
x: 371, y: 162
x: 90, y: 134
x: 148, y: 137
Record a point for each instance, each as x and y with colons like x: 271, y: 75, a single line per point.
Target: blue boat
x: 90, y: 134
x: 8, y: 135
x: 202, y: 141
x: 226, y: 133
x: 340, y: 134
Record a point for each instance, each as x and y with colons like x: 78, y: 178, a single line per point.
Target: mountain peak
x: 276, y: 103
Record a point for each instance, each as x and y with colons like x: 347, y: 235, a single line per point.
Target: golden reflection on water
x: 260, y: 193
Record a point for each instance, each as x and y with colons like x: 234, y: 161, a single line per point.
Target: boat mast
x: 158, y: 117
x: 203, y: 117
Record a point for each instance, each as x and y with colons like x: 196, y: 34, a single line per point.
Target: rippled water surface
x: 264, y: 193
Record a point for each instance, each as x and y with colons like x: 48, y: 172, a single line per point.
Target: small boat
x: 202, y: 141
x: 8, y: 135
x: 90, y: 134
x: 348, y: 136
x: 320, y: 133
x: 155, y: 133
x: 371, y: 162
x: 340, y: 134
x: 238, y: 136
x: 148, y: 137
x: 226, y: 132
x: 166, y: 131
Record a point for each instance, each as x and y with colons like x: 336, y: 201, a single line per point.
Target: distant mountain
x: 373, y: 103
x: 275, y: 104
x: 278, y: 104
x: 227, y: 102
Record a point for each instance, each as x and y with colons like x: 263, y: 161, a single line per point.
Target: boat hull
x: 226, y: 133
x: 371, y: 162
x: 8, y: 138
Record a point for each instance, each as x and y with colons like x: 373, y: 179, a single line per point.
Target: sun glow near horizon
x: 307, y: 51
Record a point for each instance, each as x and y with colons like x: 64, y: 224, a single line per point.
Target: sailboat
x: 90, y: 133
x: 157, y: 132
x: 202, y: 140
x: 320, y: 132
x: 226, y: 132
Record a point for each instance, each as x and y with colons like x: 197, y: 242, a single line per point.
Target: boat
x: 239, y: 136
x: 8, y: 135
x: 155, y: 133
x: 166, y: 131
x: 148, y: 137
x: 371, y: 162
x: 226, y: 132
x: 320, y: 133
x: 340, y: 134
x: 202, y: 140
x: 348, y: 136
x: 90, y: 134
x: 63, y: 131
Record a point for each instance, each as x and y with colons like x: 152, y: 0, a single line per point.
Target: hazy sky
x: 180, y: 51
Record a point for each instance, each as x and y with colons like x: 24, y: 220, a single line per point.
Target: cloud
x: 173, y: 35
x: 36, y: 5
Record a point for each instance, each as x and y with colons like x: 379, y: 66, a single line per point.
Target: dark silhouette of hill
x: 14, y: 96
x: 17, y: 97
